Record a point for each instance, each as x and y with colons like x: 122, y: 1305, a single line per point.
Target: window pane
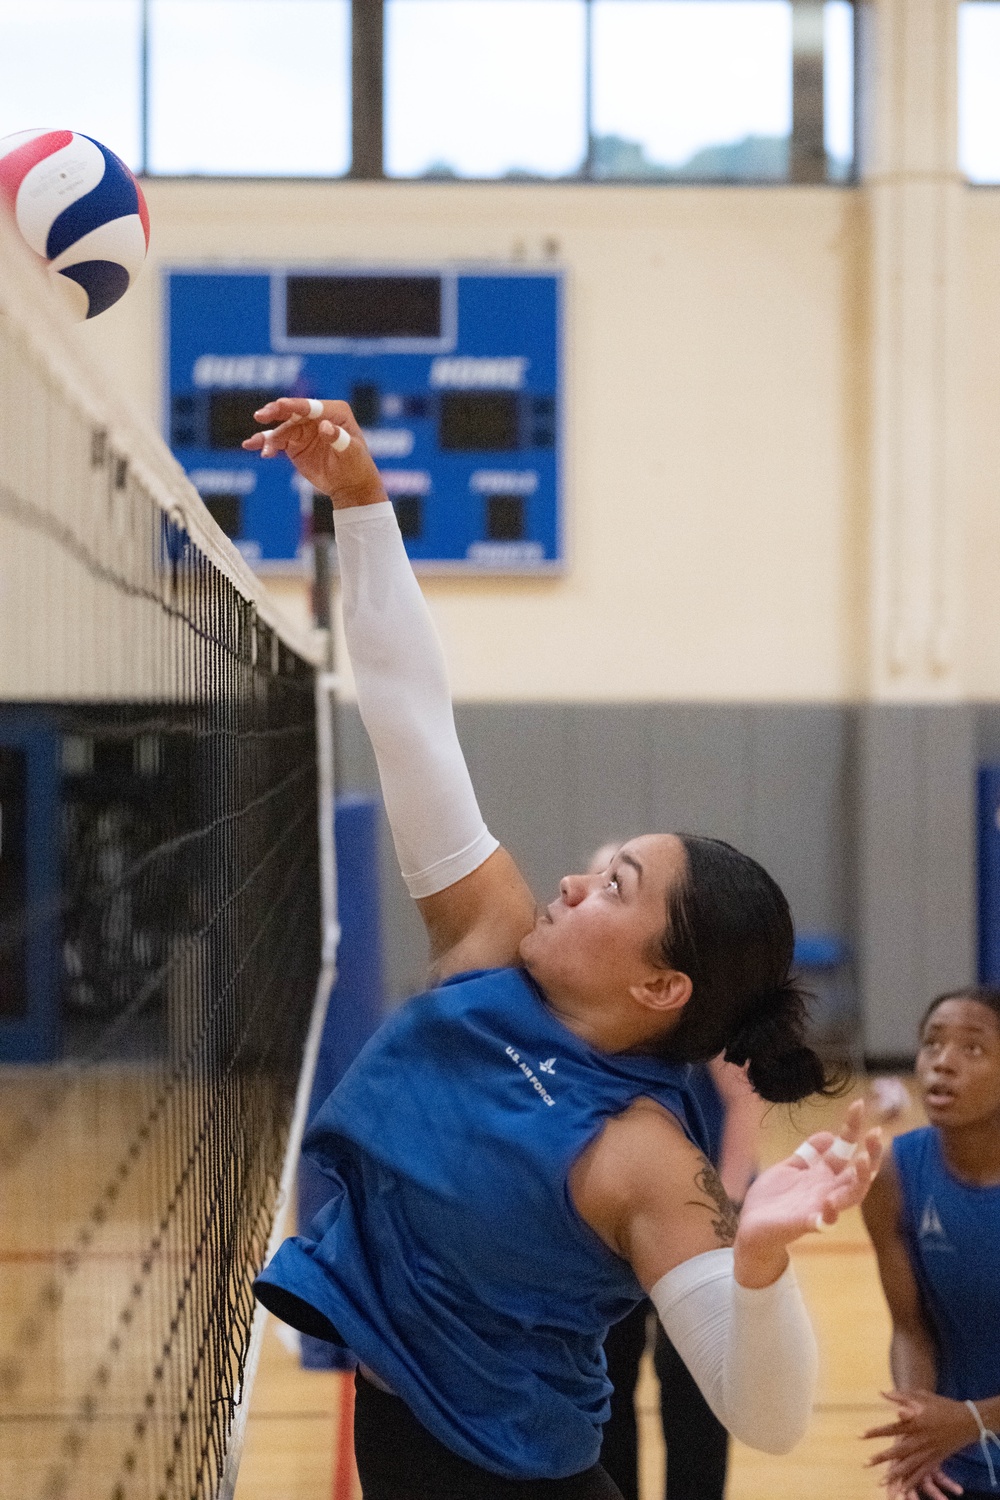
x: 250, y: 87
x: 485, y: 88
x: 692, y: 88
x: 73, y: 65
x: 979, y: 91
x: 838, y: 88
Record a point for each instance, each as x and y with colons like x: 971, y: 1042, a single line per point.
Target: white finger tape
x: 841, y: 1149
x: 820, y: 1225
x: 315, y: 408
x: 808, y: 1153
x: 341, y: 441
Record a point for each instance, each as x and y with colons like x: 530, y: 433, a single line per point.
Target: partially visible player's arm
x: 725, y: 1291
x: 927, y: 1428
x: 739, y: 1158
x: 912, y: 1353
x: 473, y: 899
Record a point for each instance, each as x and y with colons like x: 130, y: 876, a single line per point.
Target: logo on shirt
x: 536, y: 1083
x: 931, y: 1232
x: 548, y: 1066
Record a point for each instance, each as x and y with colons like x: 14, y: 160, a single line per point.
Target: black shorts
x: 398, y: 1459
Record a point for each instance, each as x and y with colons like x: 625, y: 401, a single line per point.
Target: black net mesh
x: 159, y: 954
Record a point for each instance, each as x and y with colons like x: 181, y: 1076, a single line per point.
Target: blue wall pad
x: 356, y: 1005
x: 30, y: 907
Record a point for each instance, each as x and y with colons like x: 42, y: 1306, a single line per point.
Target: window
x: 623, y: 90
x: 654, y: 90
x: 978, y: 91
x: 254, y: 87
x: 485, y: 88
x: 838, y: 88
x: 73, y: 65
x: 687, y: 88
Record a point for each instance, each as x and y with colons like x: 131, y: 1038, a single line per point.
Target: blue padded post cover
x: 989, y: 874
x: 356, y: 1005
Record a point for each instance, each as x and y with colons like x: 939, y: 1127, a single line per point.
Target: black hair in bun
x: 771, y: 1042
x: 729, y: 928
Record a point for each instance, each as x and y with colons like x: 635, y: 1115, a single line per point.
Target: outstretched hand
x: 807, y: 1192
x: 928, y: 1428
x: 315, y: 444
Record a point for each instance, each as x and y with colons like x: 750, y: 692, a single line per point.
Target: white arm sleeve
x: 752, y: 1352
x: 405, y: 705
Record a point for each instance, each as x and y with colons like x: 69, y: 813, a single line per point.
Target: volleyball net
x: 166, y: 934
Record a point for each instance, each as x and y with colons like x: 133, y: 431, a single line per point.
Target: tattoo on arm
x: 725, y: 1219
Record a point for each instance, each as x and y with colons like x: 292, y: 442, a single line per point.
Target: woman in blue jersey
x: 934, y: 1219
x: 697, y: 1443
x: 514, y: 1158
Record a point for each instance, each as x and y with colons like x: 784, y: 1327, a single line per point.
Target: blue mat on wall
x: 356, y: 1007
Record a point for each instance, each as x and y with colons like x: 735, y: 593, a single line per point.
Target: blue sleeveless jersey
x: 952, y: 1229
x: 701, y: 1086
x: 450, y: 1258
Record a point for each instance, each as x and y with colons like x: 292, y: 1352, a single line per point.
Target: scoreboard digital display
x: 454, y: 375
x: 363, y: 307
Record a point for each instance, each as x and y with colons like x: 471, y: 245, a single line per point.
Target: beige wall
x: 982, y: 440
x: 713, y: 347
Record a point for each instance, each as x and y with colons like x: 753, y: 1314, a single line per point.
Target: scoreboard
x: 453, y: 374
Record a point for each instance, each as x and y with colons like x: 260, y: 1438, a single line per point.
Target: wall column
x: 913, y: 760
x: 914, y: 196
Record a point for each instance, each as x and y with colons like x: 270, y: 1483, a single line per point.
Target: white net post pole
x: 326, y: 688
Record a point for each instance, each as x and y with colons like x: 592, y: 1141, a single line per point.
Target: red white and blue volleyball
x: 79, y: 207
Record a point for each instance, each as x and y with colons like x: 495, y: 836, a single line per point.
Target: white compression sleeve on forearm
x: 405, y: 705
x: 752, y: 1352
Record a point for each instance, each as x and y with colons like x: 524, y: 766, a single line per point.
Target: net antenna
x: 168, y: 934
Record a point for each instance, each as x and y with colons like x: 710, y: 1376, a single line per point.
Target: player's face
x: 958, y: 1065
x: 600, y: 935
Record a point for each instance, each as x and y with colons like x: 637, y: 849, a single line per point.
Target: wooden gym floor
x: 298, y: 1434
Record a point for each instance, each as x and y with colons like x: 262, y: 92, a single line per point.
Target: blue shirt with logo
x: 952, y: 1231
x: 450, y: 1258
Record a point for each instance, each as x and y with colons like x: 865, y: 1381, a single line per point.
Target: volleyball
x: 79, y: 207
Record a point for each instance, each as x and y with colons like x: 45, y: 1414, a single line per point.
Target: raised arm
x: 474, y: 902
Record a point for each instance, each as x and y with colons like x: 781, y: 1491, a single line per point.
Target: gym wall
x: 705, y: 661
x: 717, y: 394
x: 712, y: 490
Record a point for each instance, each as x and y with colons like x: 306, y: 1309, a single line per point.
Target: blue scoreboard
x: 453, y: 374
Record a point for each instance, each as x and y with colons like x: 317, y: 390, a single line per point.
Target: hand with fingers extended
x: 805, y: 1192
x: 927, y: 1430
x: 325, y: 444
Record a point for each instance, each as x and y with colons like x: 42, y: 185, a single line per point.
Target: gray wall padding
x: 916, y: 895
